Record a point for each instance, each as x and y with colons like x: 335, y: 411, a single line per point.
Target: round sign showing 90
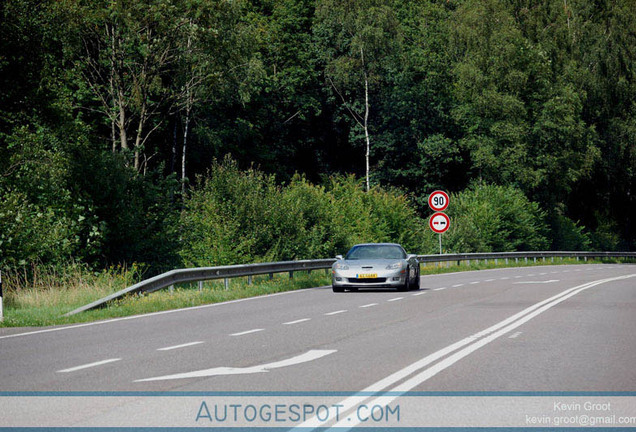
x: 438, y: 200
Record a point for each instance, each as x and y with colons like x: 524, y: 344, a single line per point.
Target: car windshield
x: 375, y: 252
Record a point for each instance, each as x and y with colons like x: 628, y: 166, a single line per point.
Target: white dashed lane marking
x: 179, y: 346
x: 247, y: 332
x: 89, y: 365
x: 297, y: 321
x: 336, y: 312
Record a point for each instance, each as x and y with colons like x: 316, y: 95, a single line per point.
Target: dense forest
x: 194, y: 132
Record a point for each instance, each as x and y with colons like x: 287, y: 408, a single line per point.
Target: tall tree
x: 358, y: 39
x: 128, y: 48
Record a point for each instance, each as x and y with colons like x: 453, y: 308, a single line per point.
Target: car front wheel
x: 416, y: 285
x: 407, y: 282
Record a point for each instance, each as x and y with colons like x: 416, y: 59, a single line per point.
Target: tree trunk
x: 183, y: 153
x: 123, y: 138
x: 366, y: 121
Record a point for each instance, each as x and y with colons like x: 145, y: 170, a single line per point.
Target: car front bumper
x: 383, y: 279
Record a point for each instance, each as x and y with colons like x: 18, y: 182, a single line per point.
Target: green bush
x: 567, y: 235
x: 489, y: 218
x: 235, y: 216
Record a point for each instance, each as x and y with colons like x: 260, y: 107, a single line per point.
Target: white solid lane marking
x: 336, y: 312
x: 369, y: 305
x: 297, y: 321
x: 179, y: 346
x: 455, y: 352
x: 395, y: 299
x: 247, y: 332
x: 89, y: 365
x: 303, y: 358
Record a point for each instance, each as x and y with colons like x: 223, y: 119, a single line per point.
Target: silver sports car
x: 376, y: 265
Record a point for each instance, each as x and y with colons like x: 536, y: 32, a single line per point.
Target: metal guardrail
x: 522, y: 255
x: 178, y: 276
x: 200, y: 274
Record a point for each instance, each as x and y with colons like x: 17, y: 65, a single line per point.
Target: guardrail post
x: 271, y: 276
x: 249, y: 280
x: 496, y: 261
x: 506, y: 261
x: 526, y: 260
x: 171, y: 289
x: 200, y: 286
x: 535, y: 260
x: 226, y: 283
x: 291, y: 274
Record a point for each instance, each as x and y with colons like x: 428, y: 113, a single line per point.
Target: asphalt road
x: 538, y: 329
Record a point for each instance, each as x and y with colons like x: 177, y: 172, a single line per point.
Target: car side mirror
x: 339, y: 257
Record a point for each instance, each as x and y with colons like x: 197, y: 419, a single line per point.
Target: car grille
x: 366, y: 280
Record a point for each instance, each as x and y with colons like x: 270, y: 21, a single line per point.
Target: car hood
x: 370, y: 264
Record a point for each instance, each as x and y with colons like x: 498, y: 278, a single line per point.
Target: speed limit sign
x: 438, y: 201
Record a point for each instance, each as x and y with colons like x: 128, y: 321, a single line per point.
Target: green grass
x: 451, y: 266
x: 44, y: 300
x: 43, y: 296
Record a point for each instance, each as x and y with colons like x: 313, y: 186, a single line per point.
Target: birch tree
x: 358, y: 39
x: 128, y: 47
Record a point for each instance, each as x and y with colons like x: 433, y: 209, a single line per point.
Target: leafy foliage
x: 112, y: 109
x: 488, y: 218
x: 243, y: 216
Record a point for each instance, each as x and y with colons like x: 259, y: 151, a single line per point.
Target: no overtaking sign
x: 439, y: 222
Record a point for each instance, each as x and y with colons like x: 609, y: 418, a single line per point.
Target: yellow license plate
x: 368, y: 276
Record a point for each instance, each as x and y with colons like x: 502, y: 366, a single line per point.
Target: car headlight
x: 340, y: 266
x: 394, y: 266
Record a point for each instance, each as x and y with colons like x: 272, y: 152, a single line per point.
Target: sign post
x: 439, y: 223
